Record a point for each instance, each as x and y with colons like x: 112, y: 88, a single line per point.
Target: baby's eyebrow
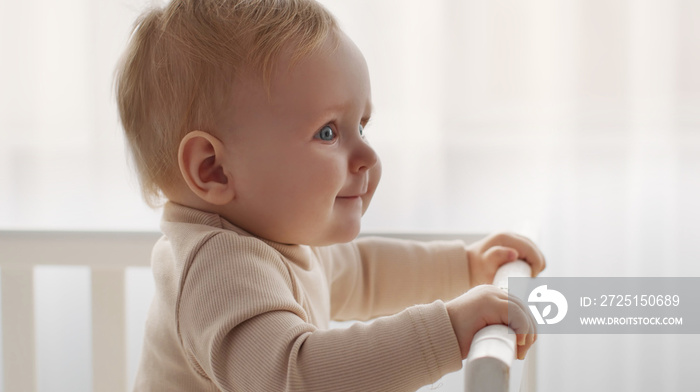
x: 338, y: 109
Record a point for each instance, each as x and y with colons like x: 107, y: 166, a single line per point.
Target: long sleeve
x: 372, y: 277
x: 242, y: 326
x: 236, y: 313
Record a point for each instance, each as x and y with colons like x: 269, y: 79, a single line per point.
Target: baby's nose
x: 363, y: 158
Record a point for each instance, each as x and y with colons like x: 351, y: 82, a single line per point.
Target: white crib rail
x: 107, y: 254
x: 491, y: 355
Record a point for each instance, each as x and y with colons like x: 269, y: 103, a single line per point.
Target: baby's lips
x: 351, y: 194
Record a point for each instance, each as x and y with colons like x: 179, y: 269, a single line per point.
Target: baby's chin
x: 344, y: 235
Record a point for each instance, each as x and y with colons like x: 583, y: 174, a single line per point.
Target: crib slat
x: 493, y: 349
x: 108, y: 330
x: 529, y: 382
x: 19, y: 350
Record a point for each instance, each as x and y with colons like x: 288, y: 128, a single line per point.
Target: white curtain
x: 578, y: 117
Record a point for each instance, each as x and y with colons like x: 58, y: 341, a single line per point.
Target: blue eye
x: 326, y: 133
x: 362, y: 130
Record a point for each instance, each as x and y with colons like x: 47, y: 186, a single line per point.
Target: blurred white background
x: 580, y: 117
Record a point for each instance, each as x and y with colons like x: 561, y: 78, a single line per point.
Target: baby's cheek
x: 375, y: 174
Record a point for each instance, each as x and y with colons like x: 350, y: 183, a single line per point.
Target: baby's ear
x: 201, y: 158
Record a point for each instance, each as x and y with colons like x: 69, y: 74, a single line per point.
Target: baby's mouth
x: 359, y: 190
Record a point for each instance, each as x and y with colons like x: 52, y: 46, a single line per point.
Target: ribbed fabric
x: 233, y: 312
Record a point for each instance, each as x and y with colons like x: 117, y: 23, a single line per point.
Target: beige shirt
x: 233, y: 312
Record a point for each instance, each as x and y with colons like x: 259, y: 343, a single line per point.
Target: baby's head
x: 253, y: 109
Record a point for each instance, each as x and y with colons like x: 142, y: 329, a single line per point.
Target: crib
x: 490, y: 366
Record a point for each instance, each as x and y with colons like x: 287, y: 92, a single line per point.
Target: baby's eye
x: 326, y: 134
x: 362, y: 130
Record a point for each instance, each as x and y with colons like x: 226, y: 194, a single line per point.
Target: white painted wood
x: 107, y: 254
x: 466, y: 238
x: 18, y: 337
x: 108, y: 330
x: 493, y: 350
x: 515, y: 269
x: 528, y: 382
x: 115, y: 249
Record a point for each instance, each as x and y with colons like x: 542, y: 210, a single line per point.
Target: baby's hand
x: 486, y: 305
x: 486, y: 255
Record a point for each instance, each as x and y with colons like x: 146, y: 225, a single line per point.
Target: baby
x: 248, y: 117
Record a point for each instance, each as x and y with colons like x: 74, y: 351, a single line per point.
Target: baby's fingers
x: 526, y: 249
x: 521, y: 321
x: 522, y: 351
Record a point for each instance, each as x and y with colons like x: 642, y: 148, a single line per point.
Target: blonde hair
x: 181, y: 61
